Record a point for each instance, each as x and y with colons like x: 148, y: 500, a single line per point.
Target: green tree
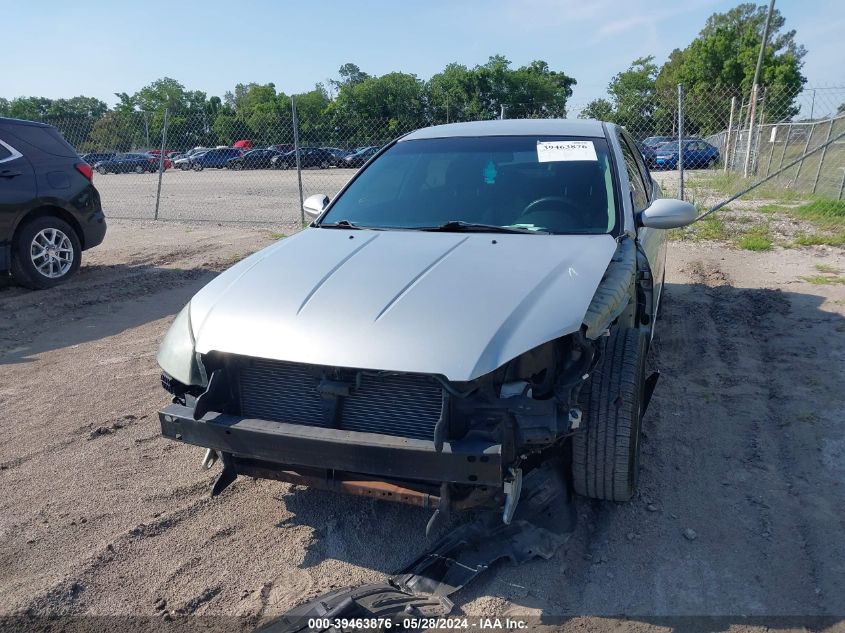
x: 454, y: 94
x: 598, y: 109
x: 720, y: 64
x: 633, y: 94
x: 459, y: 94
x: 114, y: 131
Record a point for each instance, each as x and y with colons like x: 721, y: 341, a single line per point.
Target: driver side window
x: 638, y: 186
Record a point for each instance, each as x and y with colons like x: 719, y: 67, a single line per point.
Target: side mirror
x: 314, y: 205
x: 668, y: 213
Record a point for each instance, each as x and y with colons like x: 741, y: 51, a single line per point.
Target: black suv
x: 49, y: 209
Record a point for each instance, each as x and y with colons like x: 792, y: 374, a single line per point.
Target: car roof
x: 10, y: 121
x: 512, y: 127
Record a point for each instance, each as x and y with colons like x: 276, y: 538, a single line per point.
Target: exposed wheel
x: 324, y: 164
x: 101, y: 170
x: 139, y: 169
x: 197, y: 167
x: 184, y: 166
x: 237, y: 166
x: 605, y: 450
x: 45, y: 253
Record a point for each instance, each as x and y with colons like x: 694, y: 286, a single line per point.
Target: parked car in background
x: 50, y: 210
x: 360, y: 157
x: 126, y: 163
x: 93, y: 158
x: 308, y: 157
x: 166, y: 163
x: 698, y: 154
x: 284, y: 148
x: 184, y: 163
x: 648, y: 145
x: 216, y: 158
x: 338, y: 154
x: 256, y: 159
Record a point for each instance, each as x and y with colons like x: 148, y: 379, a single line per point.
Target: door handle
x: 8, y: 173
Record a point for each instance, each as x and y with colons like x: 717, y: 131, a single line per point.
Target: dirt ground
x: 740, y: 511
x: 217, y: 195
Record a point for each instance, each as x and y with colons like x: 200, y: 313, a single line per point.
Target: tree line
x: 718, y: 65
x: 356, y: 108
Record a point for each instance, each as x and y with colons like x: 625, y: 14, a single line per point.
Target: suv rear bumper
x: 472, y: 462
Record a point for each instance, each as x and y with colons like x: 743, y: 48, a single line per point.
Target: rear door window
x: 46, y: 139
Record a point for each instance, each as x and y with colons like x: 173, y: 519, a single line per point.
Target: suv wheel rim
x: 51, y: 252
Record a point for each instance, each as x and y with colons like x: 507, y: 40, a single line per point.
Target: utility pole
x: 753, y: 109
x: 763, y: 44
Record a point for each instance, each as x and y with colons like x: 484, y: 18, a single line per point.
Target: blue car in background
x: 218, y: 158
x: 650, y: 144
x: 698, y: 154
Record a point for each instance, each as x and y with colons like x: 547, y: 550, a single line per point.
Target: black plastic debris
x: 544, y: 520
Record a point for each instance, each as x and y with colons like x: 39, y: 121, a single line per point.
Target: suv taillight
x: 86, y: 170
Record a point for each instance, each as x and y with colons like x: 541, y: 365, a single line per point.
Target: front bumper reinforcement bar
x: 474, y: 462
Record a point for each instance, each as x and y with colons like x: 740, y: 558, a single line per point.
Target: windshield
x: 549, y: 184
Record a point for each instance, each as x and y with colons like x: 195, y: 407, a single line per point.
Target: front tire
x: 45, y: 253
x: 605, y: 450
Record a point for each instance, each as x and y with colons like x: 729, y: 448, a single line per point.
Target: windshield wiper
x: 458, y: 226
x: 340, y: 224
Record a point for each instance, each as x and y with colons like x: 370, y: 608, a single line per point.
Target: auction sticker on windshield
x: 557, y: 151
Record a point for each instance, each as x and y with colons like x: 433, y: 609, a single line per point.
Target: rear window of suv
x: 46, y: 139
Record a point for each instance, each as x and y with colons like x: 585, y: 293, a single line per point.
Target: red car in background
x: 154, y: 153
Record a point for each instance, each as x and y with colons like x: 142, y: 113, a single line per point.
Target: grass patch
x: 773, y: 208
x: 827, y: 268
x: 710, y: 228
x: 755, y: 242
x: 823, y: 280
x: 278, y: 236
x: 823, y: 212
x: 728, y: 183
x: 836, y: 239
x: 757, y: 239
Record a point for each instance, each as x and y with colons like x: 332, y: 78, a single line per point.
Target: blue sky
x: 97, y: 48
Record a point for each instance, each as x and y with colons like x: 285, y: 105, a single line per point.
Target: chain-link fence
x: 188, y: 166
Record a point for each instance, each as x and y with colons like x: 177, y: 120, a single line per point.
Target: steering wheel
x: 533, y: 207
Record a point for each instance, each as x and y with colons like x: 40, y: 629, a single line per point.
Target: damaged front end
x: 413, y: 438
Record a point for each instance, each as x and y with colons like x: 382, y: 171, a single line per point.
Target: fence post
x: 726, y: 158
x: 821, y: 158
x: 751, y: 116
x: 161, y: 161
x: 761, y: 117
x: 298, y: 162
x: 785, y: 144
x: 680, y: 141
x: 841, y: 185
x: 737, y: 135
x: 806, y: 147
x: 773, y: 137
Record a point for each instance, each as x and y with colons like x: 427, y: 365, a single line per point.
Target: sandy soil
x: 744, y: 446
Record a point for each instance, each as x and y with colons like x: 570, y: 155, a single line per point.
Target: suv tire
x: 605, y: 450
x: 46, y: 252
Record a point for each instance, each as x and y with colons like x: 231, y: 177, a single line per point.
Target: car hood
x: 454, y: 304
